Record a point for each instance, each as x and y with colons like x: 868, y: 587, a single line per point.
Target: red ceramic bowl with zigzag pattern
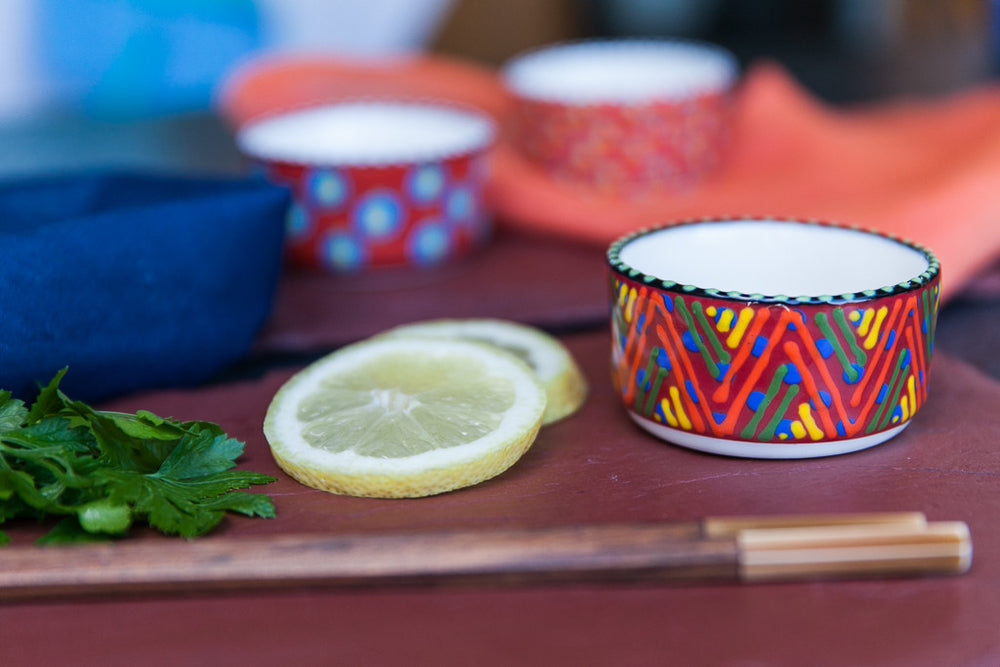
x: 771, y: 338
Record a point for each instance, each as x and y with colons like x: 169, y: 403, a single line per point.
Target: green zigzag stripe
x: 772, y: 391
x: 859, y: 355
x: 838, y: 349
x: 720, y: 351
x: 878, y: 421
x: 681, y: 307
x: 642, y: 393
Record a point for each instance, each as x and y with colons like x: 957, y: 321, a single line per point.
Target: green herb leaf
x: 50, y: 400
x: 12, y: 413
x: 104, y: 471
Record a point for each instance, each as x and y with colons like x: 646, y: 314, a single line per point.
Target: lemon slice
x: 565, y: 386
x: 405, y: 417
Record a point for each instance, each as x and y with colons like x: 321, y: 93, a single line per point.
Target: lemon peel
x: 565, y: 386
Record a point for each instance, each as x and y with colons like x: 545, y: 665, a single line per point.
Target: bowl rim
x: 633, y: 43
x: 491, y: 124
x: 617, y: 266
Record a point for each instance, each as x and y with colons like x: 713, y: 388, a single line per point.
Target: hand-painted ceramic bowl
x: 771, y: 338
x: 377, y: 183
x: 625, y: 117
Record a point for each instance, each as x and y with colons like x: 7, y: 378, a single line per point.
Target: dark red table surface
x: 593, y: 467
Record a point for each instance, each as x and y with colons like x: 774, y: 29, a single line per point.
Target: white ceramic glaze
x: 620, y: 71
x: 367, y: 133
x: 773, y: 257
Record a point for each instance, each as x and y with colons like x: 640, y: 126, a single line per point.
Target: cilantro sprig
x: 104, y: 472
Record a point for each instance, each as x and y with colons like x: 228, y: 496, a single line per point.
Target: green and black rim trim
x: 621, y: 268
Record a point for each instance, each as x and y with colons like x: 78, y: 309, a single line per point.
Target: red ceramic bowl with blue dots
x: 377, y: 183
x: 771, y: 338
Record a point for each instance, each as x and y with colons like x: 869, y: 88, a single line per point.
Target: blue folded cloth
x: 133, y: 281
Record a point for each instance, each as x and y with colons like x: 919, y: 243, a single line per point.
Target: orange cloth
x: 926, y: 170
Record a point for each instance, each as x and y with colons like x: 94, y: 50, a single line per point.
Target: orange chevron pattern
x: 777, y: 372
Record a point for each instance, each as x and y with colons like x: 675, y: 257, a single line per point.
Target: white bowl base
x: 765, y: 450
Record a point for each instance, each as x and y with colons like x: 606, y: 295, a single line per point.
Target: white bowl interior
x: 772, y: 257
x: 620, y: 71
x: 367, y: 133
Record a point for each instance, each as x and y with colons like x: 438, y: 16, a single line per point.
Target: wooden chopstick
x: 726, y: 548
x: 729, y: 526
x: 858, y: 550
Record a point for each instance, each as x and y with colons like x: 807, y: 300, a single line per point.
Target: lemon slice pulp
x: 400, y: 417
x: 565, y: 386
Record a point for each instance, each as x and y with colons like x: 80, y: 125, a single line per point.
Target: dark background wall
x: 843, y: 50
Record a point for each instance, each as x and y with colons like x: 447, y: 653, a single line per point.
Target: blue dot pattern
x: 461, y: 205
x: 425, y: 183
x: 421, y: 214
x: 342, y: 252
x: 379, y: 215
x: 429, y: 243
x: 328, y: 188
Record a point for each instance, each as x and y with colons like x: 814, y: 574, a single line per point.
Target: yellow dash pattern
x: 805, y: 414
x: 866, y: 321
x: 798, y: 430
x: 742, y: 322
x: 725, y: 322
x: 876, y: 328
x: 630, y: 305
x: 668, y: 414
x: 682, y: 418
x: 908, y: 403
x: 911, y: 389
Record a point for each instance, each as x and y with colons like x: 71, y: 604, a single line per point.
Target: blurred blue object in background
x: 135, y: 58
x: 127, y: 59
x: 129, y: 83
